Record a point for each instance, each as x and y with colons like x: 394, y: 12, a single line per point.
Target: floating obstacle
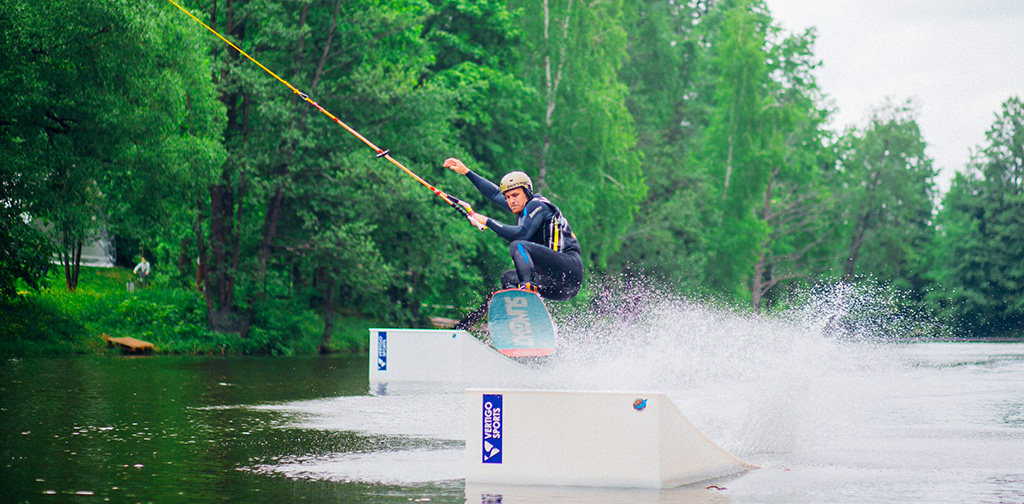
x: 596, y: 439
x: 438, y: 356
x: 545, y: 437
x: 129, y: 345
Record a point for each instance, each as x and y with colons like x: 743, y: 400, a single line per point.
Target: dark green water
x: 170, y: 429
x: 827, y: 421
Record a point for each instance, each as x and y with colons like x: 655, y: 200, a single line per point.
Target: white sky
x: 958, y: 60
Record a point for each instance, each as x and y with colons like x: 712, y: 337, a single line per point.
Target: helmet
x: 516, y: 179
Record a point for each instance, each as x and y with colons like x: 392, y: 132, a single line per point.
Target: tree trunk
x: 552, y: 82
x: 77, y: 263
x: 71, y: 258
x: 329, y: 298
x: 184, y: 264
x: 221, y: 219
x: 263, y: 255
x: 202, y: 269
x: 219, y: 264
x: 728, y: 168
x: 269, y: 230
x: 758, y: 288
x: 856, y: 241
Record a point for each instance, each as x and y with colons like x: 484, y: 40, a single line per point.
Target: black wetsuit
x: 543, y: 247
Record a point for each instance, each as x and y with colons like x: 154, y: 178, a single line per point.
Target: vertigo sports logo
x: 492, y: 429
x: 382, y: 351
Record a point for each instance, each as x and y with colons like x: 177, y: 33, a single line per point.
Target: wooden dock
x: 443, y: 322
x: 129, y: 345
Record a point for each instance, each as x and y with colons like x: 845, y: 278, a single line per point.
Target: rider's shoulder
x: 535, y: 207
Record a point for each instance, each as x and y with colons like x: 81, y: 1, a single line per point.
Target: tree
x: 585, y: 154
x: 82, y: 121
x: 978, y: 264
x: 668, y: 238
x: 796, y: 199
x: 888, y: 186
x: 175, y: 147
x: 359, y: 60
x: 302, y: 210
x: 734, y: 145
x: 24, y: 249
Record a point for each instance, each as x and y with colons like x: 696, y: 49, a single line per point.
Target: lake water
x: 828, y: 418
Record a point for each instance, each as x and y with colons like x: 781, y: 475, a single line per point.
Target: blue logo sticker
x: 382, y: 351
x: 492, y: 429
x: 640, y: 404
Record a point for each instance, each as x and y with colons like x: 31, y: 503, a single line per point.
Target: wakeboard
x: 520, y: 324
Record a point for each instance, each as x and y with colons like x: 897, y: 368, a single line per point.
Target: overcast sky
x: 959, y: 60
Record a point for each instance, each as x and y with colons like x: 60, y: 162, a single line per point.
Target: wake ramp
x: 439, y: 356
x: 601, y: 439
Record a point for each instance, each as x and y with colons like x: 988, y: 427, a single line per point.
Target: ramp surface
x: 602, y: 439
x: 439, y: 356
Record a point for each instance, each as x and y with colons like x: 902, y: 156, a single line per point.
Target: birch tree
x: 585, y: 159
x: 734, y: 144
x: 796, y: 200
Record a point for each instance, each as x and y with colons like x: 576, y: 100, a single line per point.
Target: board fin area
x: 520, y: 324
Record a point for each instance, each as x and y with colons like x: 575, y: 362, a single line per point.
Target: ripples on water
x: 828, y: 397
x: 832, y: 410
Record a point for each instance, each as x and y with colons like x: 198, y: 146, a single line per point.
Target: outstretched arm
x: 486, y: 187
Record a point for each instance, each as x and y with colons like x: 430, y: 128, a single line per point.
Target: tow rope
x: 460, y: 206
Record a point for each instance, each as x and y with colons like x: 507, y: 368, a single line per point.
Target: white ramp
x: 606, y: 439
x: 438, y: 356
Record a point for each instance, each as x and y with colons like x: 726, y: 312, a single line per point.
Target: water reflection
x: 516, y: 494
x: 910, y: 423
x: 135, y: 429
x: 386, y: 466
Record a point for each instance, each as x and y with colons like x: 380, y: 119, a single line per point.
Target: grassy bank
x: 55, y: 321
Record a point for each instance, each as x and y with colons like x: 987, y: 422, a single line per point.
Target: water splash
x: 780, y: 388
x: 757, y: 383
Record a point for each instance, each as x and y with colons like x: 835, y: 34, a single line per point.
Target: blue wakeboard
x: 519, y: 324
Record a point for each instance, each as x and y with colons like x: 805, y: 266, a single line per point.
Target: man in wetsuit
x: 544, y: 249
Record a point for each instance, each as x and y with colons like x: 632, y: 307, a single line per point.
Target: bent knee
x: 520, y: 248
x: 514, y: 246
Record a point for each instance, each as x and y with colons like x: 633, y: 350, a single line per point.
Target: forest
x: 687, y: 141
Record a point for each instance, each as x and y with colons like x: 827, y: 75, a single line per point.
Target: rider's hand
x: 456, y: 166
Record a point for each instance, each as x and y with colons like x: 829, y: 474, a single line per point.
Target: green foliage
x: 981, y: 240
x: 669, y: 238
x: 733, y: 150
x: 585, y: 155
x: 796, y: 204
x: 109, y: 118
x: 888, y: 190
x: 686, y: 142
x: 173, y: 319
x: 24, y: 249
